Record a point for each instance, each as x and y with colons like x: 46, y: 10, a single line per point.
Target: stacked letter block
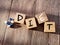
x: 49, y: 27
x: 20, y: 18
x: 41, y: 17
x: 30, y: 23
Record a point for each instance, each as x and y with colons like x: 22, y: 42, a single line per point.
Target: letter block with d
x: 20, y: 18
x: 49, y: 27
x: 31, y: 23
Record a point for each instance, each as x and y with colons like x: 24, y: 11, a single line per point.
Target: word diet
x: 31, y: 22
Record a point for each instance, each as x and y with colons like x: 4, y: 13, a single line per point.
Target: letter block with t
x: 41, y: 17
x: 31, y: 23
x: 49, y: 27
x: 20, y: 18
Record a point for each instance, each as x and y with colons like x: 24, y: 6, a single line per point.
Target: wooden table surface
x: 22, y: 36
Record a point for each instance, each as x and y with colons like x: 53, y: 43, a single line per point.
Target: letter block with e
x: 49, y: 27
x: 20, y: 18
x: 31, y: 22
x: 41, y: 17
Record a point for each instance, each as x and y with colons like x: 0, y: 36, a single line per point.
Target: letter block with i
x: 20, y: 18
x: 31, y: 23
x: 49, y: 27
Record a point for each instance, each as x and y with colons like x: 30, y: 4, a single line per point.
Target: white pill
x: 12, y: 21
x: 5, y: 22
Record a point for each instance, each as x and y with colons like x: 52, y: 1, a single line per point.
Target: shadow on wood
x: 52, y: 18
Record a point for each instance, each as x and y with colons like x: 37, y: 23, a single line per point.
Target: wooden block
x: 31, y: 23
x: 41, y: 17
x: 20, y: 18
x: 49, y: 27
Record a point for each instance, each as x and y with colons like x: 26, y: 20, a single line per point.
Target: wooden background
x: 22, y: 36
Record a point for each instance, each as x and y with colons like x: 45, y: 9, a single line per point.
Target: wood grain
x: 59, y: 11
x: 38, y: 36
x: 4, y: 13
x: 19, y: 36
x: 59, y: 20
x: 50, y: 7
x: 54, y: 37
